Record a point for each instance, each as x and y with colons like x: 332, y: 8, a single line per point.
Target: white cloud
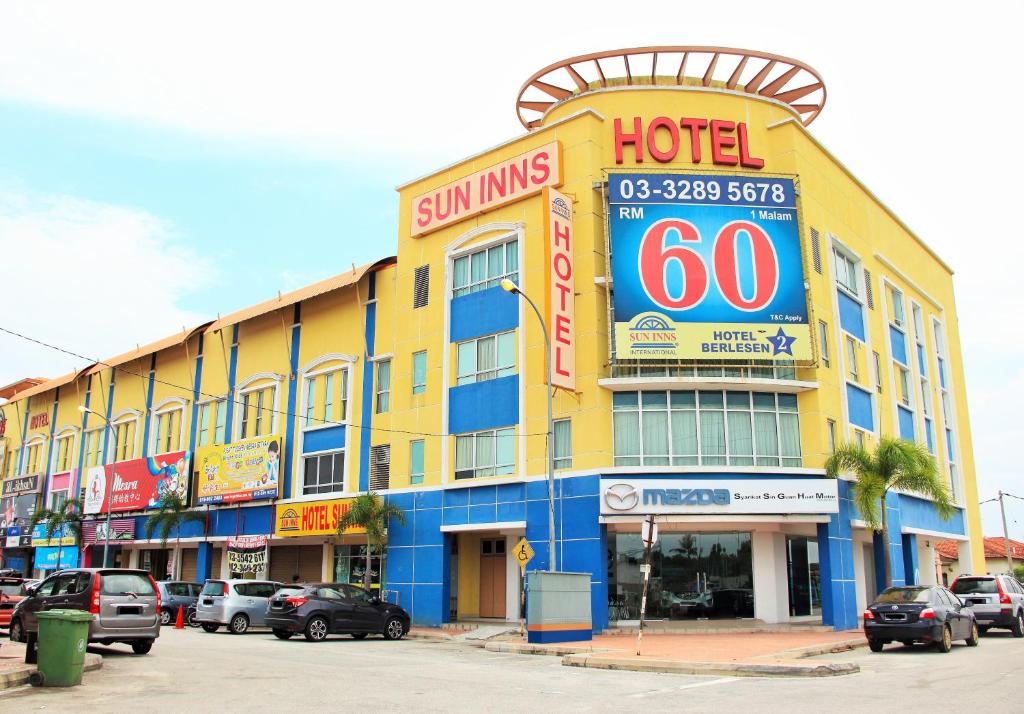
x: 87, y: 277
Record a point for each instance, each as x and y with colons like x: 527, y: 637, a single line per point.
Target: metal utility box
x: 558, y: 607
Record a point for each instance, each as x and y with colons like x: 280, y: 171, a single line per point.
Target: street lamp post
x: 508, y: 286
x: 110, y: 432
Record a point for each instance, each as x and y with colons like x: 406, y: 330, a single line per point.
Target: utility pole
x: 649, y: 538
x: 1006, y: 535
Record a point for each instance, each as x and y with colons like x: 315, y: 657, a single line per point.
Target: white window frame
x: 421, y: 386
x: 254, y: 383
x: 421, y: 474
x: 954, y: 465
x: 826, y: 356
x: 468, y: 252
x: 68, y: 432
x: 101, y: 435
x: 331, y: 362
x: 566, y: 461
x: 125, y: 416
x: 158, y: 413
x: 34, y: 441
x: 848, y: 259
x: 498, y: 368
x: 300, y: 486
x: 377, y: 391
x: 221, y: 404
x: 509, y: 469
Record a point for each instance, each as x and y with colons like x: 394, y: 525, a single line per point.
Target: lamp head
x: 508, y: 286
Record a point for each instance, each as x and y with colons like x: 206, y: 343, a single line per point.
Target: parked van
x: 238, y: 604
x: 125, y: 605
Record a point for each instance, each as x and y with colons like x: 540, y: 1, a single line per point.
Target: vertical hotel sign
x: 561, y: 288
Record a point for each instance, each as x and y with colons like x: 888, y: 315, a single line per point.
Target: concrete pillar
x: 860, y: 570
x: 771, y: 586
x: 835, y: 555
x: 133, y: 557
x: 966, y: 558
x: 879, y: 552
x: 911, y: 565
x: 204, y: 561
x: 327, y: 563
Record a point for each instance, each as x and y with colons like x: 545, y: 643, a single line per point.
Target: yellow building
x: 725, y: 300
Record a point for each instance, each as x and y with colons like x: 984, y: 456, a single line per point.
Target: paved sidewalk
x: 14, y: 672
x: 757, y: 653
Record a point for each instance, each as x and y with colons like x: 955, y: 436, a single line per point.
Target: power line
x: 237, y: 402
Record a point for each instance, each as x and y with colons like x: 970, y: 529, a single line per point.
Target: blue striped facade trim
x: 149, y: 406
x: 49, y: 449
x: 232, y: 370
x: 24, y: 435
x: 81, y: 440
x: 293, y: 389
x: 196, y: 386
x: 366, y: 416
x: 110, y: 410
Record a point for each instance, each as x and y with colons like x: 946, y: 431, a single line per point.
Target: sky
x: 199, y: 157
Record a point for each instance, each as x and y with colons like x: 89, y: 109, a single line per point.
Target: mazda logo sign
x: 621, y: 497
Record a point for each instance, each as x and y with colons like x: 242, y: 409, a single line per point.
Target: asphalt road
x: 193, y: 671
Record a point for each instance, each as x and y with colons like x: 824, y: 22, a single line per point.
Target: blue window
x: 906, y: 418
x: 860, y: 407
x: 416, y: 461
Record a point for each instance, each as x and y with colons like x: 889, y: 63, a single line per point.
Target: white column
x: 133, y: 558
x: 771, y: 592
x: 859, y: 574
x: 967, y: 565
x: 926, y: 565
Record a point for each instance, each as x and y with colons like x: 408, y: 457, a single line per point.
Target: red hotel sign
x: 517, y: 178
x: 562, y: 295
x: 664, y: 138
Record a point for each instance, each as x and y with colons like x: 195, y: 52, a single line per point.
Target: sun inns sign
x: 512, y: 180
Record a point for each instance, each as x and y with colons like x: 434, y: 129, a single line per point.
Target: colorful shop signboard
x: 638, y: 496
x: 707, y: 267
x: 136, y: 484
x: 56, y: 557
x: 18, y: 502
x: 244, y: 470
x: 61, y: 536
x: 312, y: 518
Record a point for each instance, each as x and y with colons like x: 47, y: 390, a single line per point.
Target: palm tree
x: 371, y: 512
x: 895, y: 463
x: 65, y: 519
x: 171, y: 514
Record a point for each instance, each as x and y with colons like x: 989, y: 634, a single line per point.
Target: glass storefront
x: 350, y: 565
x: 804, y: 576
x: 693, y: 576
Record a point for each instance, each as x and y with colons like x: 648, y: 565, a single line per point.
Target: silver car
x: 996, y: 600
x: 239, y: 604
x: 125, y: 605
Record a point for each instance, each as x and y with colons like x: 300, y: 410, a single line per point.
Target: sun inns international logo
x: 652, y: 333
x: 289, y: 520
x: 621, y: 497
x: 561, y: 208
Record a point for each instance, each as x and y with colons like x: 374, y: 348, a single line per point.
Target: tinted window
x: 975, y: 586
x: 328, y: 594
x: 896, y: 595
x: 214, y: 587
x: 357, y: 594
x: 47, y: 587
x: 122, y: 583
x: 12, y: 588
x: 178, y: 589
x: 263, y: 589
x: 243, y: 589
x: 945, y: 598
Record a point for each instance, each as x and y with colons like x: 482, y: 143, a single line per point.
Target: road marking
x: 721, y: 680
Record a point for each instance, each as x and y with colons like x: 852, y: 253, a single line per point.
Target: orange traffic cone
x: 179, y: 621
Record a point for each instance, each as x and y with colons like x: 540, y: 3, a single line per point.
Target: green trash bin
x: 63, y: 638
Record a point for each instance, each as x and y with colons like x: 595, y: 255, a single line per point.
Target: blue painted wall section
x: 293, y: 390
x: 204, y: 562
x: 110, y: 411
x: 911, y: 564
x: 483, y: 313
x: 232, y: 374
x: 920, y: 513
x: 224, y: 522
x: 419, y: 554
x: 48, y: 468
x: 483, y: 405
x: 149, y: 405
x: 325, y: 439
x: 366, y: 416
x: 851, y: 316
x: 835, y: 554
x: 906, y: 418
x: 77, y: 486
x: 196, y: 382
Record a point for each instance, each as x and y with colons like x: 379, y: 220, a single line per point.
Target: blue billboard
x: 707, y: 267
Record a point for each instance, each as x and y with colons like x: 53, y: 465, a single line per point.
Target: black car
x: 320, y: 609
x: 932, y: 615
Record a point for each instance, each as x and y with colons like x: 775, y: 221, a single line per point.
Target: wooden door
x: 492, y: 577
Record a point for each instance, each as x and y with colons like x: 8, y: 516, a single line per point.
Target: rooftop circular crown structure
x: 742, y: 71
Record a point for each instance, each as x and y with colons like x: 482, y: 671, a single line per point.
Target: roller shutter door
x: 289, y: 560
x: 215, y: 562
x: 189, y: 556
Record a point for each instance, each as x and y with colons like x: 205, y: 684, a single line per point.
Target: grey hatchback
x: 125, y: 605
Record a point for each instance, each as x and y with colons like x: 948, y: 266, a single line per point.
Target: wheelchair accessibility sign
x: 523, y: 553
